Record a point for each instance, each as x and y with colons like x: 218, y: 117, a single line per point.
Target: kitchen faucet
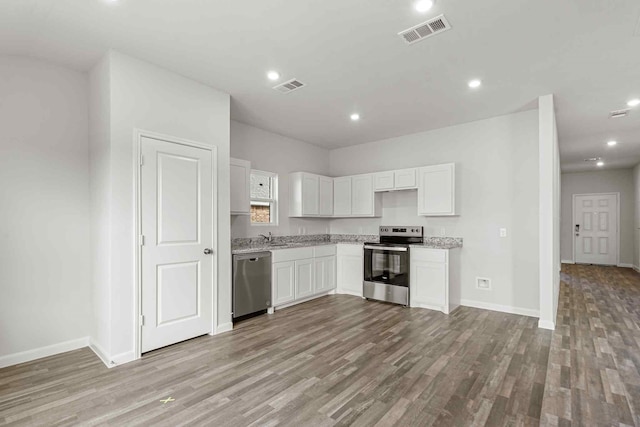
x: 267, y: 238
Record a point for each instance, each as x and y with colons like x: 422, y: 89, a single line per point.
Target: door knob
x: 208, y: 251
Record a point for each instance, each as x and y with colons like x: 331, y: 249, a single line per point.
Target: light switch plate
x: 503, y: 232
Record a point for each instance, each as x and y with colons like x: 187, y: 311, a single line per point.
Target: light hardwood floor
x: 340, y: 360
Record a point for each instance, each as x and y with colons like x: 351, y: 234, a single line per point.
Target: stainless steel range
x: 386, y: 264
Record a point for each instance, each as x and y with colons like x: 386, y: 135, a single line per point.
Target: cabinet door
x: 325, y: 273
x: 362, y: 195
x: 405, y: 179
x: 240, y: 175
x: 350, y: 274
x: 342, y: 196
x: 429, y: 283
x: 383, y: 181
x: 326, y: 196
x: 283, y: 282
x: 310, y: 194
x: 304, y: 278
x: 436, y: 190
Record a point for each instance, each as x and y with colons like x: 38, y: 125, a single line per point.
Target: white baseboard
x: 38, y: 353
x: 567, y: 261
x: 502, y: 308
x: 546, y: 324
x: 224, y: 327
x: 343, y: 292
x: 122, y: 358
x: 625, y: 265
x: 636, y: 268
x: 101, y: 353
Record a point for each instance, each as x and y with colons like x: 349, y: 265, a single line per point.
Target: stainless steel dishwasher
x: 251, y: 284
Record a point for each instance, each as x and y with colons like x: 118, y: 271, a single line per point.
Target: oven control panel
x: 406, y: 231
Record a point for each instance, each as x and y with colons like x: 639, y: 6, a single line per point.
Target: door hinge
x: 141, y: 320
x: 141, y: 240
x: 141, y: 160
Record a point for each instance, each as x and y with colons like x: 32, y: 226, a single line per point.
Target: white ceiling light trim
x: 273, y: 75
x: 423, y: 6
x: 355, y: 117
x: 475, y: 83
x: 612, y: 143
x: 600, y: 164
x: 634, y: 102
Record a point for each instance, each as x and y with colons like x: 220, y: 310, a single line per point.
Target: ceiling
x: 349, y: 55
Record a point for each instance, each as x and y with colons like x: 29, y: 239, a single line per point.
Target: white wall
x: 549, y: 212
x: 143, y: 96
x: 605, y: 181
x: 44, y: 206
x: 276, y: 153
x: 636, y: 225
x: 100, y: 187
x: 497, y: 167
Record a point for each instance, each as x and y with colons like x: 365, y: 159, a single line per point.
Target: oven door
x: 386, y: 264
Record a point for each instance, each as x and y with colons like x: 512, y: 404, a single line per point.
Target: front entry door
x: 177, y: 225
x: 595, y: 228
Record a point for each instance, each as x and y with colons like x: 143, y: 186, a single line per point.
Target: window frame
x: 273, y: 200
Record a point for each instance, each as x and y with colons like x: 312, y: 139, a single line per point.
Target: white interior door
x: 177, y: 225
x: 596, y: 228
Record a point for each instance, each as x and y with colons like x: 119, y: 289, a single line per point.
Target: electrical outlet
x: 503, y: 232
x: 483, y: 283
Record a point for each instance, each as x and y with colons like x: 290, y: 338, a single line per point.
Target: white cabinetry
x: 283, y: 282
x: 435, y: 279
x: 437, y: 190
x: 302, y: 273
x: 403, y: 179
x: 310, y: 195
x: 240, y: 177
x: 350, y: 269
x: 304, y: 278
x: 353, y: 196
x: 342, y: 196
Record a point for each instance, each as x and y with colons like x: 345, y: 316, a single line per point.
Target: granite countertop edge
x: 266, y: 248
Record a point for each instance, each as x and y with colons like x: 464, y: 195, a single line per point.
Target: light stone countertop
x: 430, y: 243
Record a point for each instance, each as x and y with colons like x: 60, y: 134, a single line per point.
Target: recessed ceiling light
x: 634, y: 102
x: 423, y: 6
x: 475, y: 83
x: 273, y: 75
x: 612, y: 143
x: 600, y: 163
x: 355, y: 117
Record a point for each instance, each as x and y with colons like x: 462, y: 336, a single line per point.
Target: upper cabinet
x: 342, y: 196
x: 310, y: 195
x: 437, y: 190
x: 403, y: 179
x: 240, y: 176
x: 358, y: 196
x: 353, y: 196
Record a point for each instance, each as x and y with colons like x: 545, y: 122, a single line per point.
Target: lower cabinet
x: 350, y: 269
x: 325, y: 273
x: 299, y: 274
x: 283, y: 282
x: 435, y: 279
x: 304, y: 278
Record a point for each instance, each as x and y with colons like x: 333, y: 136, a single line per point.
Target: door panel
x: 342, y: 196
x: 596, y: 229
x: 304, y: 278
x: 176, y: 207
x: 283, y: 282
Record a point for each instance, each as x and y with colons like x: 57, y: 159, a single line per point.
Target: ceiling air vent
x: 618, y: 114
x: 426, y: 29
x: 289, y: 86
